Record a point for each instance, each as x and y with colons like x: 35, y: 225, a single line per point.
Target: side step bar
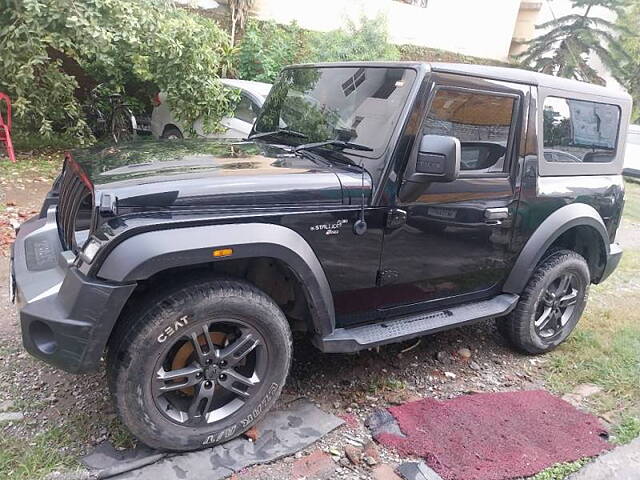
x: 408, y: 327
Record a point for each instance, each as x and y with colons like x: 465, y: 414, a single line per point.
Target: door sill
x: 411, y: 326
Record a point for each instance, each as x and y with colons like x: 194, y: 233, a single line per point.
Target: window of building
x: 482, y: 123
x: 417, y: 3
x: 576, y: 131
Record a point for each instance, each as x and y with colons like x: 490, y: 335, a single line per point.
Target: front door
x: 451, y: 244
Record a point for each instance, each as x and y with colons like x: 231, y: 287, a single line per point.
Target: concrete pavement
x: 622, y: 463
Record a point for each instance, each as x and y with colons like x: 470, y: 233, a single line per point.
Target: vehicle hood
x: 204, y: 172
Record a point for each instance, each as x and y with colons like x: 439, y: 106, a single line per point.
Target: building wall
x: 525, y: 29
x: 482, y: 28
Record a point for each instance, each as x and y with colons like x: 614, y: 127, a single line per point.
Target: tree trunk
x: 233, y: 26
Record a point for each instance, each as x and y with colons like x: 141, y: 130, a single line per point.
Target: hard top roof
x: 505, y: 74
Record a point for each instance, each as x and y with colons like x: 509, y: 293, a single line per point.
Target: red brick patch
x: 317, y: 465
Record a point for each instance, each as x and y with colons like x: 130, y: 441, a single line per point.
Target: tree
x: 628, y: 72
x: 569, y: 42
x: 117, y: 41
x: 239, y: 12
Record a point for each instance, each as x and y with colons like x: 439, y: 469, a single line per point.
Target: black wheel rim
x: 556, y: 306
x: 220, y: 367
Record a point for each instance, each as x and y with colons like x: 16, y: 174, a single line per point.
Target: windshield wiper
x: 279, y: 131
x: 333, y: 143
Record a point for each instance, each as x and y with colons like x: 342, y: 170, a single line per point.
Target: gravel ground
x: 465, y: 360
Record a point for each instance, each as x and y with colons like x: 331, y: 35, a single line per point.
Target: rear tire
x: 177, y: 388
x: 550, y: 305
x: 171, y: 133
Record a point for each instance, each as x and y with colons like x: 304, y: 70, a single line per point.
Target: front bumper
x: 613, y: 259
x: 66, y: 318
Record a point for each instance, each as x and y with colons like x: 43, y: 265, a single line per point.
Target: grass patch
x: 627, y: 429
x: 41, y: 164
x: 605, y: 350
x: 383, y: 384
x: 21, y: 460
x: 605, y: 347
x: 23, y: 142
x: 560, y: 471
x: 632, y: 201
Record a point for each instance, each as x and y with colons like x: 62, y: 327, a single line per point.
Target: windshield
x: 355, y: 104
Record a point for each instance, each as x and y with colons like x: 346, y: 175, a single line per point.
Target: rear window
x: 577, y: 131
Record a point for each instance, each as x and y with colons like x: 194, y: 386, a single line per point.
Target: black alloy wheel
x: 198, y: 364
x: 557, y: 305
x: 550, y: 305
x: 209, y: 372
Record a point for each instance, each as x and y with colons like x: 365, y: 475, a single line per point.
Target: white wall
x: 481, y: 28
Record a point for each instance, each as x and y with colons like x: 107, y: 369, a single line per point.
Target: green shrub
x: 365, y: 40
x: 47, y: 46
x: 266, y: 47
x: 426, y: 54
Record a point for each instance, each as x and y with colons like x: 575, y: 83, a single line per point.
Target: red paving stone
x: 384, y: 472
x: 317, y: 465
x: 495, y: 436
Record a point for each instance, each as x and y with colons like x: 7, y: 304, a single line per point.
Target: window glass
x: 482, y: 123
x: 575, y: 131
x: 246, y: 110
x: 356, y: 104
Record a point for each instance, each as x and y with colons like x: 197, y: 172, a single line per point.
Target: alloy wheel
x: 556, y: 306
x: 209, y: 372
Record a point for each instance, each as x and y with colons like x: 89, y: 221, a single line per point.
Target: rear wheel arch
x: 577, y: 227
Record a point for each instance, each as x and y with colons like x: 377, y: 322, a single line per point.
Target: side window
x: 481, y: 121
x: 576, y: 131
x: 246, y: 110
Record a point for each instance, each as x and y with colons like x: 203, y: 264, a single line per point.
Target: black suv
x: 373, y: 203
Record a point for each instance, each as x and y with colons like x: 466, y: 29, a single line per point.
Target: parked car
x: 632, y: 153
x: 348, y: 215
x: 252, y: 94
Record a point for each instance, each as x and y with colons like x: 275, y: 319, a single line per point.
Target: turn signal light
x: 223, y: 252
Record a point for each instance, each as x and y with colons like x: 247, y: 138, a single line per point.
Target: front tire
x: 551, y: 304
x: 200, y: 365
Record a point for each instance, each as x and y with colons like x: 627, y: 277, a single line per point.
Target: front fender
x: 143, y: 255
x: 549, y: 230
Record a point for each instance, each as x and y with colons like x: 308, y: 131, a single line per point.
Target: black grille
x: 73, y: 195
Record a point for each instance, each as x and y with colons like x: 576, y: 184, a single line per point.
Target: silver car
x: 252, y: 96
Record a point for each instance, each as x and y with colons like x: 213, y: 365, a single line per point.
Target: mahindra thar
x: 372, y: 203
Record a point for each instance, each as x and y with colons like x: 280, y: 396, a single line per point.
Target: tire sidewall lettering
x: 174, y: 327
x: 246, y: 421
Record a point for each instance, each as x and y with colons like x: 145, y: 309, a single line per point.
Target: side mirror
x: 438, y: 160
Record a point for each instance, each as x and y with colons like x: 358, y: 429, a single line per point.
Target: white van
x: 632, y: 154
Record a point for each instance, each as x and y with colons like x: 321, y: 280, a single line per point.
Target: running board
x: 408, y: 327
